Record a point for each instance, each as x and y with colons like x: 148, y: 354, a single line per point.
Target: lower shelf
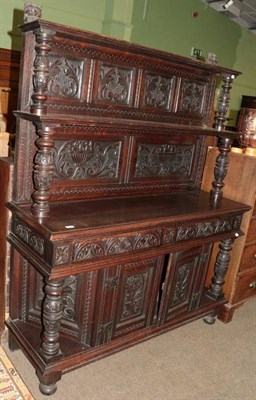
x: 73, y: 354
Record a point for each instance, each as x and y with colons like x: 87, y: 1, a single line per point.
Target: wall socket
x: 196, y: 52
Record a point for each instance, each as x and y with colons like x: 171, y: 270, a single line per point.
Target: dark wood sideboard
x: 111, y: 235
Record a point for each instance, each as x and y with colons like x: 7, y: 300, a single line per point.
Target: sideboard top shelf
x: 96, y: 39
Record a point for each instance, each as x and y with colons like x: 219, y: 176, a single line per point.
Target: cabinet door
x: 184, y: 282
x: 126, y: 299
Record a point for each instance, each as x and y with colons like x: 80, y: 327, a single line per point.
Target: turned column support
x: 41, y: 70
x: 215, y: 291
x: 221, y: 167
x: 223, y: 103
x: 52, y: 314
x: 43, y: 170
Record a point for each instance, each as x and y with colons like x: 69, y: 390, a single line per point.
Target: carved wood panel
x: 127, y: 299
x: 184, y: 282
x: 86, y: 159
x: 191, y: 96
x: 157, y: 91
x: 65, y: 77
x: 114, y: 84
x: 163, y: 160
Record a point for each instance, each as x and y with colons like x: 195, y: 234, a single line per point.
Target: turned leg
x: 215, y: 291
x: 50, y: 347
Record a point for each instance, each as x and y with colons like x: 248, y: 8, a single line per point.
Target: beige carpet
x: 194, y: 362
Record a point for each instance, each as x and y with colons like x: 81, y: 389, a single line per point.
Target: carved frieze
x: 65, y: 77
x: 163, y: 160
x: 115, y: 84
x: 191, y: 96
x: 29, y: 237
x: 157, y: 92
x: 105, y: 247
x: 204, y: 229
x: 134, y: 293
x: 82, y: 159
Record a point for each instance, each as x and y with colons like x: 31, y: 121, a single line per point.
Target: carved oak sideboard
x: 111, y: 235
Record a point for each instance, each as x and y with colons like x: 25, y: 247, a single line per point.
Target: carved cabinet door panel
x: 127, y: 299
x: 184, y: 282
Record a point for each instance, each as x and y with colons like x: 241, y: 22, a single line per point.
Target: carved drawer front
x: 245, y: 287
x: 249, y: 257
x: 127, y: 299
x: 184, y: 282
x: 251, y: 235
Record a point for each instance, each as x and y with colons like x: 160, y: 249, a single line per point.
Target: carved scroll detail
x: 115, y: 84
x: 135, y: 287
x: 64, y: 78
x: 192, y: 96
x: 204, y: 229
x: 81, y: 159
x: 87, y: 251
x: 163, y: 160
x: 181, y: 284
x: 157, y: 91
x: 29, y: 237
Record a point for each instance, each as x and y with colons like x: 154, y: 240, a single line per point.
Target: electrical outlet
x: 196, y: 52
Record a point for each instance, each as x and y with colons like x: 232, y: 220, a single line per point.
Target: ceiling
x: 243, y: 12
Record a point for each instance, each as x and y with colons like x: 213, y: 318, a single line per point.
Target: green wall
x: 164, y: 24
x: 170, y: 25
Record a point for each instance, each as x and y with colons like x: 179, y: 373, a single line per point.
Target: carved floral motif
x: 204, y: 229
x: 61, y: 254
x: 115, y: 84
x: 157, y: 91
x: 192, y: 96
x: 181, y: 284
x: 87, y: 251
x: 29, y: 237
x: 163, y: 160
x: 134, y: 294
x: 64, y: 77
x: 82, y: 159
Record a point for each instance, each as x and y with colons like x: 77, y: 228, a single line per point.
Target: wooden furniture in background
x: 240, y: 185
x: 247, y: 121
x: 6, y: 173
x: 111, y: 235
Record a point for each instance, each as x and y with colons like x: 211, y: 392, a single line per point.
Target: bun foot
x: 47, y: 389
x: 210, y: 319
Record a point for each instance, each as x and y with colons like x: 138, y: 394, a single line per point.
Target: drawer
x: 248, y: 258
x: 245, y: 287
x: 251, y: 235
